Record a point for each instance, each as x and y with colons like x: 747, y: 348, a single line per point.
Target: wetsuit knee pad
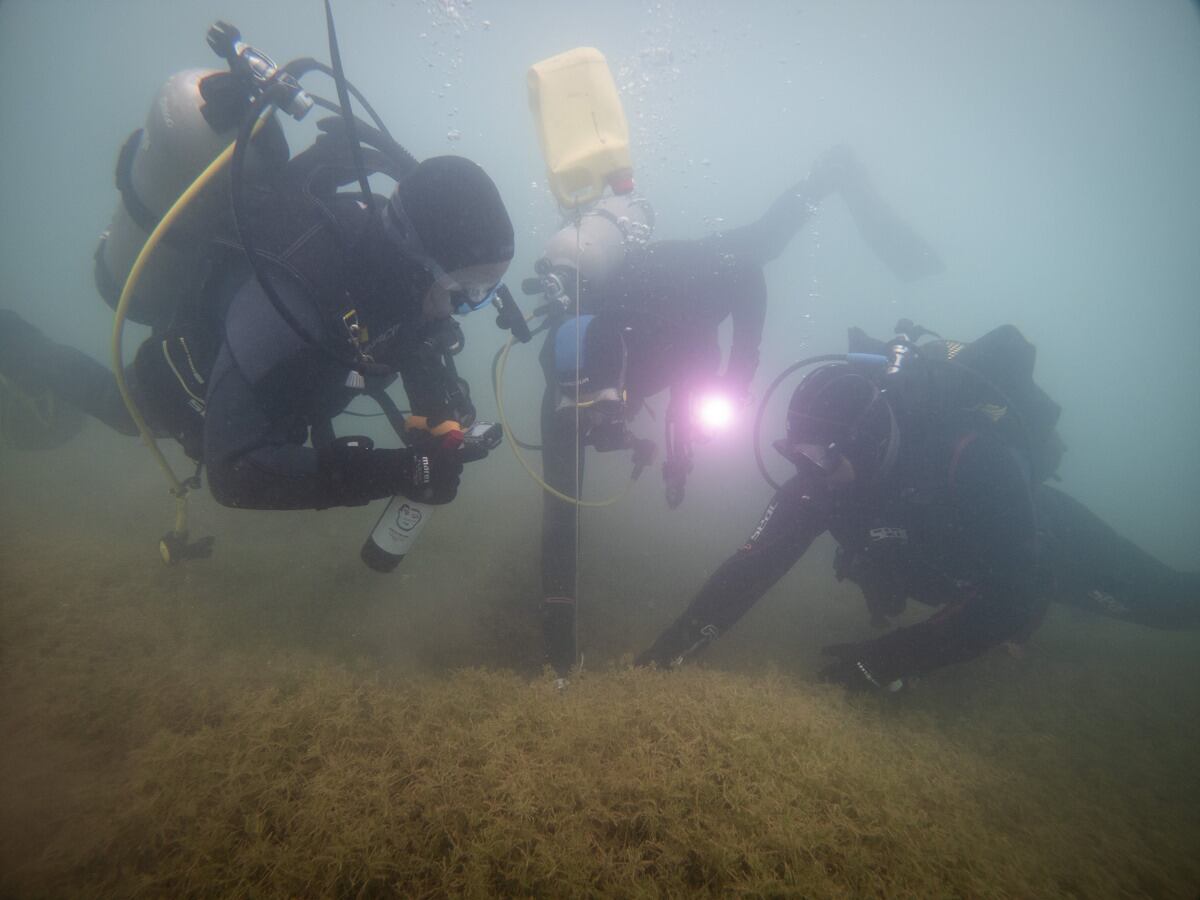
x: 171, y: 371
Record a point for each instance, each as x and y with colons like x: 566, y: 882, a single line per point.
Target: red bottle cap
x: 621, y: 182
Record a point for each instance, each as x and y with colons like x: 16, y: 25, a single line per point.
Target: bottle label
x: 408, y: 518
x: 399, y: 526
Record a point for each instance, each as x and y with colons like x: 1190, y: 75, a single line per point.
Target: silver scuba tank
x: 596, y: 243
x: 175, y: 146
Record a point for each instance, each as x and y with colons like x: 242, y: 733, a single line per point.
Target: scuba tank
x: 594, y: 244
x: 182, y: 134
x: 581, y: 126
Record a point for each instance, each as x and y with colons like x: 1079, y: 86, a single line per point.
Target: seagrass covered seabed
x: 264, y: 725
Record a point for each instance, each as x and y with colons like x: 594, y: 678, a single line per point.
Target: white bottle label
x: 400, y: 524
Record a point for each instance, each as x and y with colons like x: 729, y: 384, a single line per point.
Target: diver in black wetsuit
x: 641, y: 317
x: 252, y: 396
x: 931, y: 484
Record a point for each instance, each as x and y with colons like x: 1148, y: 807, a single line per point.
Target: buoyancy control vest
x: 991, y: 377
x: 904, y: 541
x: 955, y: 394
x: 308, y: 235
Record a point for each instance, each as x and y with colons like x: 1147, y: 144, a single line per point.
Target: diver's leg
x: 1094, y: 568
x: 838, y: 170
x: 34, y: 364
x: 765, y: 239
x: 897, y: 244
x: 562, y: 465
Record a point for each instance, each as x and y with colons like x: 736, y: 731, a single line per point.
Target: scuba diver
x: 269, y: 317
x: 926, y: 464
x: 628, y: 318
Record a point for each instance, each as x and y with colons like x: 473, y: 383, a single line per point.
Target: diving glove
x: 430, y: 475
x: 856, y: 671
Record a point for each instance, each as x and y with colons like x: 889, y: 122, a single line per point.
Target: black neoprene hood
x: 836, y: 407
x: 457, y: 213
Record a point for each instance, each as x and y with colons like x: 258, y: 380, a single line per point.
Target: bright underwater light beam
x: 714, y: 412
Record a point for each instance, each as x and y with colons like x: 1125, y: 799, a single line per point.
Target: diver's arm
x: 257, y: 459
x: 791, y: 522
x: 995, y: 507
x: 262, y: 392
x: 749, y: 316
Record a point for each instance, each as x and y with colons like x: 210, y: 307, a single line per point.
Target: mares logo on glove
x: 421, y: 471
x: 433, y: 476
x: 441, y: 449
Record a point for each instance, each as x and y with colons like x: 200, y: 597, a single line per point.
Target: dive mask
x: 466, y: 296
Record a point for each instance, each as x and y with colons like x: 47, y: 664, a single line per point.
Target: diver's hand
x: 856, y: 670
x: 430, y: 475
x: 735, y: 385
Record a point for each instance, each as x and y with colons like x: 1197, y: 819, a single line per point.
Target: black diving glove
x: 856, y: 670
x: 430, y: 475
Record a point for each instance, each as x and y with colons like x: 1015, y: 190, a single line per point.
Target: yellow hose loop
x: 181, y: 522
x: 512, y: 442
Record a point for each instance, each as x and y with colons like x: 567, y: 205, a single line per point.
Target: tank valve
x: 261, y: 71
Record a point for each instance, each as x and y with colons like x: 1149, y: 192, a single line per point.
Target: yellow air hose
x: 179, y: 489
x: 512, y: 441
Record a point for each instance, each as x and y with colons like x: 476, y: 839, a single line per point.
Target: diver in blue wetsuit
x: 635, y: 318
x: 251, y: 395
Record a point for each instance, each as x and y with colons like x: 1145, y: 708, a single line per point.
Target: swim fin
x: 897, y: 244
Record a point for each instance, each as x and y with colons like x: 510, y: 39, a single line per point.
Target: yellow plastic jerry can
x: 581, y: 126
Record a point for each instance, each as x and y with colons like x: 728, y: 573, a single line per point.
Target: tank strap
x: 138, y: 211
